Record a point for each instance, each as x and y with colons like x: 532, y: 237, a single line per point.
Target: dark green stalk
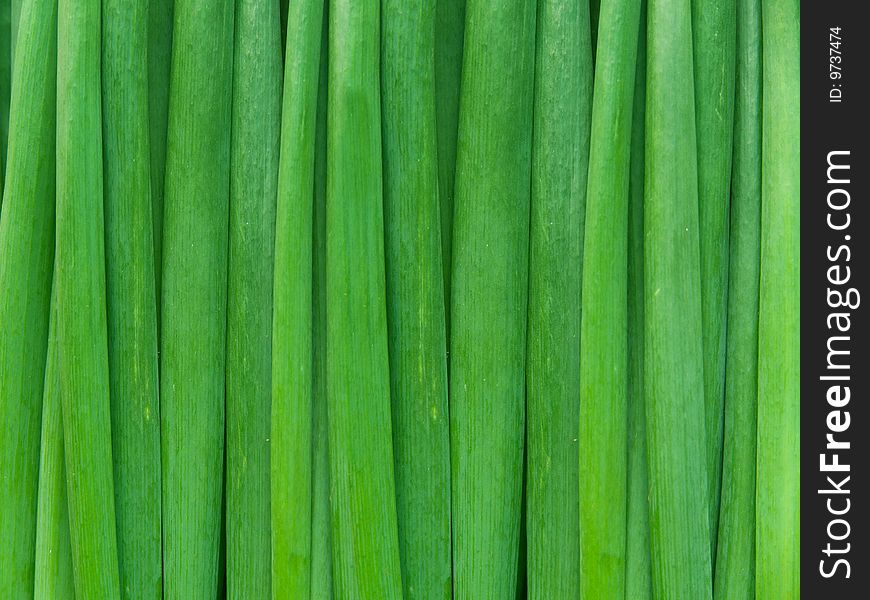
x: 560, y: 156
x: 489, y: 295
x: 16, y: 10
x: 53, y: 565
x: 256, y: 124
x: 365, y: 545
x: 594, y: 18
x: 159, y: 59
x: 81, y: 301
x: 26, y: 259
x: 131, y: 300
x: 321, y: 536
x: 415, y: 298
x: 777, y: 533
x: 714, y: 37
x: 603, y: 468
x: 292, y: 366
x: 193, y: 337
x: 673, y: 355
x: 638, y: 578
x: 449, y: 32
x: 735, y: 556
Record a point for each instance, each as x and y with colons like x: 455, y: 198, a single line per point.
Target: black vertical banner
x: 835, y: 222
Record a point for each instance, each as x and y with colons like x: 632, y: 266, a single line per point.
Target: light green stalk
x: 604, y: 354
x: 489, y: 296
x: 560, y: 156
x: 638, y: 578
x: 256, y: 123
x: 449, y: 32
x: 735, y: 556
x: 292, y: 358
x: 193, y: 316
x: 26, y: 259
x: 673, y: 356
x: 714, y: 37
x: 159, y: 60
x: 778, y: 509
x: 415, y: 298
x: 53, y: 563
x: 365, y: 545
x: 131, y: 300
x: 81, y: 301
x: 321, y: 536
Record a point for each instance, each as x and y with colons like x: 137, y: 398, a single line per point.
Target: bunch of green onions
x: 424, y: 299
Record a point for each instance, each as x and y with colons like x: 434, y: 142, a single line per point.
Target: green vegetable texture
x: 321, y: 534
x: 16, y: 10
x: 26, y: 258
x: 777, y: 532
x: 131, y: 301
x: 365, y: 547
x: 415, y: 297
x: 293, y: 351
x: 489, y: 296
x: 159, y: 61
x: 560, y: 147
x: 81, y: 298
x: 673, y: 356
x: 603, y: 442
x: 193, y: 315
x: 53, y: 576
x: 638, y: 578
x: 714, y: 39
x: 449, y: 33
x: 735, y: 555
x: 6, y: 43
x: 256, y: 123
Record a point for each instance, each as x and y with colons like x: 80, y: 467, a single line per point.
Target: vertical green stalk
x: 365, y: 546
x: 638, y: 578
x: 490, y: 295
x: 5, y: 82
x: 292, y: 358
x: 449, y: 32
x: 735, y: 556
x: 604, y: 354
x: 777, y: 533
x: 26, y: 259
x: 193, y: 319
x: 560, y: 156
x: 159, y: 60
x: 53, y: 562
x: 415, y: 298
x: 256, y: 123
x: 321, y: 536
x: 16, y: 10
x: 131, y: 300
x: 81, y: 300
x: 714, y: 31
x: 594, y: 17
x: 673, y: 361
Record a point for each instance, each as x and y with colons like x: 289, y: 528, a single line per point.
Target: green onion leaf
x: 26, y: 257
x: 365, y: 545
x: 560, y: 155
x: 415, y: 298
x: 193, y: 315
x: 489, y: 295
x: 673, y: 355
x: 777, y: 533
